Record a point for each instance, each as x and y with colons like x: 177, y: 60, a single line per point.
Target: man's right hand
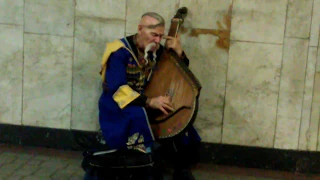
x: 163, y: 103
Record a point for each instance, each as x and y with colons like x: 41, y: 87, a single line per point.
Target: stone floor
x: 30, y: 163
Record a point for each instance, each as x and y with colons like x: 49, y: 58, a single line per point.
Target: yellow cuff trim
x: 124, y: 95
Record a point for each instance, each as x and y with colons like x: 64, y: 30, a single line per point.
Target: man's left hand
x: 174, y: 43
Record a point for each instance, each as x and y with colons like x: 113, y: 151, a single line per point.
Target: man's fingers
x: 178, y: 36
x: 168, y: 104
x: 167, y: 37
x: 163, y: 110
x: 168, y: 107
x: 167, y: 100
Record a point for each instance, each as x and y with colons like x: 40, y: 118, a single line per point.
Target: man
x: 127, y: 66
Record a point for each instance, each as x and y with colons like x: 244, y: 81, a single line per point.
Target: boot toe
x: 183, y: 175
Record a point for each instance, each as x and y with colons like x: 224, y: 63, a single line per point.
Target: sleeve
x: 184, y: 58
x: 116, y: 79
x: 140, y: 101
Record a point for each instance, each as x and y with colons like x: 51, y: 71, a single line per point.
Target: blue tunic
x: 123, y: 124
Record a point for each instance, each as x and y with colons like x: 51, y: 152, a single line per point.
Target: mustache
x: 151, y: 48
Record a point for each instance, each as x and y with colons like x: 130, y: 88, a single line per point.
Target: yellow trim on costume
x: 124, y: 95
x: 110, y: 48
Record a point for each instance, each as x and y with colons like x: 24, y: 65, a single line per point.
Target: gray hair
x: 155, y: 16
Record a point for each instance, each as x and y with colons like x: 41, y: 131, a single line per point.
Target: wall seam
x: 22, y: 78
x: 72, y: 63
x: 304, y: 87
x: 281, y: 68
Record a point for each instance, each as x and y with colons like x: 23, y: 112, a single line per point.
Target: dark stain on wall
x: 222, y: 33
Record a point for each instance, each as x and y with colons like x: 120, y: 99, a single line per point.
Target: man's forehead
x: 157, y: 30
x: 152, y: 24
x: 148, y: 20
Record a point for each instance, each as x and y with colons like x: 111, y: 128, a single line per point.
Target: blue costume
x: 123, y: 124
x: 125, y: 75
x: 122, y: 114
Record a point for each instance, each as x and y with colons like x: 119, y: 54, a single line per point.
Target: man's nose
x: 157, y: 39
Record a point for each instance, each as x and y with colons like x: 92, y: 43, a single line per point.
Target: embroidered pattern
x: 99, y: 137
x: 137, y: 77
x: 133, y: 140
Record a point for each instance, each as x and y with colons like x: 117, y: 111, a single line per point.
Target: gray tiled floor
x: 27, y: 163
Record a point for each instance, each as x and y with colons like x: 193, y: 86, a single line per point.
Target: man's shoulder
x: 116, y: 45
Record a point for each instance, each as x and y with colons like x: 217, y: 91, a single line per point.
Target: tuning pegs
x: 181, y: 13
x: 183, y: 10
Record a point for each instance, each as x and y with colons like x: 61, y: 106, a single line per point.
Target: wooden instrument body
x: 173, y: 78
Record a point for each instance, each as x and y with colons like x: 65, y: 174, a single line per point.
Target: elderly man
x: 127, y: 66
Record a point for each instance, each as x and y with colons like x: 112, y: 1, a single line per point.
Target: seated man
x: 126, y: 69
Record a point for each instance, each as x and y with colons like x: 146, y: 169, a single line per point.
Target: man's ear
x: 140, y: 28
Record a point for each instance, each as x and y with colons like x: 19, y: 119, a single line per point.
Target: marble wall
x: 258, y: 62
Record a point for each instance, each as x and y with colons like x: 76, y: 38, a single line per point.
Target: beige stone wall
x: 258, y: 62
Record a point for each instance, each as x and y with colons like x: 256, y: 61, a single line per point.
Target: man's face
x: 148, y: 35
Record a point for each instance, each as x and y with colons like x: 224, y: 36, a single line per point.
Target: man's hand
x: 162, y: 103
x: 174, y: 43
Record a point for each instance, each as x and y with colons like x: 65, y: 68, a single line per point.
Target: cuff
x: 183, y: 55
x: 124, y: 95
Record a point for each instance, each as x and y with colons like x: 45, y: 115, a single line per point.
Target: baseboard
x: 211, y: 153
x: 261, y: 158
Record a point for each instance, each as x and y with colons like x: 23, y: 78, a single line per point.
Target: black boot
x: 185, y: 157
x: 183, y: 174
x: 157, y: 174
x: 158, y: 168
x: 182, y: 167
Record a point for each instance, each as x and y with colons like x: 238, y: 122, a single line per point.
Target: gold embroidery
x: 137, y: 76
x: 141, y: 147
x: 132, y: 142
x: 132, y: 139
